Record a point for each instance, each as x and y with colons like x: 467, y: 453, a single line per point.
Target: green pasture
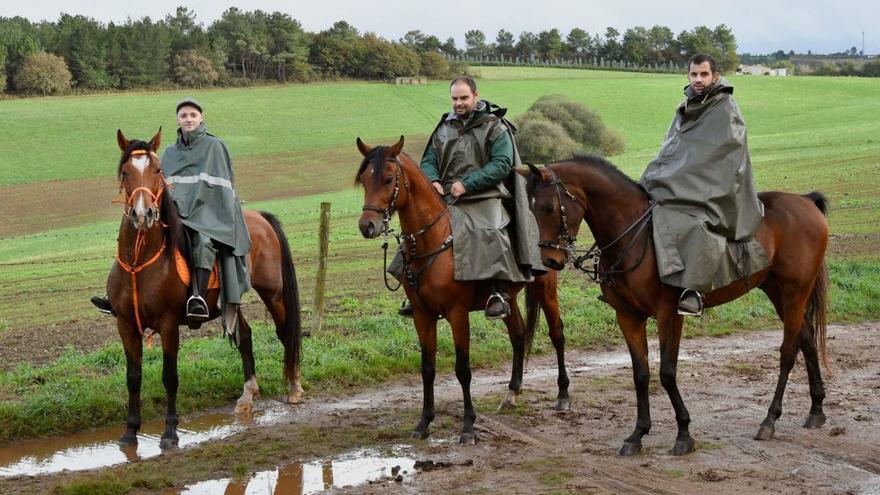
x: 805, y: 134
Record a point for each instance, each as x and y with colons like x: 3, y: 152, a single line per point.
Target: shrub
x: 434, y: 65
x: 43, y: 73
x: 194, y: 70
x: 542, y: 141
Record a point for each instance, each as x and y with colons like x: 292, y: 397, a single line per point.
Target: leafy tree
x: 725, y: 44
x: 526, y: 46
x: 413, y: 40
x: 663, y: 47
x: 339, y: 51
x: 193, y: 70
x: 611, y: 47
x: 43, y: 73
x: 504, y: 44
x: 449, y: 47
x: 636, y: 45
x: 83, y: 44
x: 579, y: 43
x: 549, y: 45
x: 475, y: 43
x: 18, y: 39
x: 434, y: 65
x: 384, y: 59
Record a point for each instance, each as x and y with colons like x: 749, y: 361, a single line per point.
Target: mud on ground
x: 727, y: 384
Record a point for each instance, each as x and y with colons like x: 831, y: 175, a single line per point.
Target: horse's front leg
x: 426, y: 326
x: 633, y: 328
x: 669, y: 330
x: 516, y: 333
x: 134, y: 347
x: 461, y: 337
x: 170, y: 347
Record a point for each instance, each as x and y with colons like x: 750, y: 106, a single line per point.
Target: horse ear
x: 120, y: 139
x: 363, y: 148
x: 395, y: 149
x: 157, y: 139
x: 535, y: 170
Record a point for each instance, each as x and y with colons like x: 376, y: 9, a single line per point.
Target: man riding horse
x: 468, y: 159
x: 199, y: 169
x: 707, y: 209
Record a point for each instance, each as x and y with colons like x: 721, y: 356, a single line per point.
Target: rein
x: 565, y: 241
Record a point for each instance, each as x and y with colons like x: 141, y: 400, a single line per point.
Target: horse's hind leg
x: 669, y: 329
x: 134, y: 348
x: 274, y: 301
x: 633, y: 328
x: 251, y: 389
x: 516, y: 333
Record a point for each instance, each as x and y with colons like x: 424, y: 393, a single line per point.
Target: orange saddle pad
x: 184, y: 273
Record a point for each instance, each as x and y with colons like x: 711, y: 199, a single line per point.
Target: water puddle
x: 98, y: 448
x: 301, y: 478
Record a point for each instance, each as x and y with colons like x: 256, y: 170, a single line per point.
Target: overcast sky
x: 760, y: 26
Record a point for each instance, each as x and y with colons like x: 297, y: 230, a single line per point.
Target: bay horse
x: 794, y: 234
x: 394, y: 183
x: 146, y: 291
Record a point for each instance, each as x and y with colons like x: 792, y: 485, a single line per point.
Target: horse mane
x: 607, y: 169
x: 376, y: 156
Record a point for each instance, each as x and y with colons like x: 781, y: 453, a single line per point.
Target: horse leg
x: 808, y: 347
x: 793, y: 306
x: 516, y: 333
x: 669, y: 329
x: 550, y: 304
x: 461, y: 337
x: 170, y: 347
x: 426, y: 326
x: 251, y: 389
x: 633, y: 328
x: 134, y: 348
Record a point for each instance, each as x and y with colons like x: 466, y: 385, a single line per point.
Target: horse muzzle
x: 553, y: 263
x: 370, y: 228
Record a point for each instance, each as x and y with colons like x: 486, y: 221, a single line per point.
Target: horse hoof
x: 168, y: 443
x: 467, y: 439
x: 628, y: 448
x: 506, y: 405
x: 420, y: 435
x: 683, y: 447
x: 814, y: 421
x: 765, y: 432
x: 244, y: 408
x: 563, y: 405
x: 294, y: 398
x: 127, y: 440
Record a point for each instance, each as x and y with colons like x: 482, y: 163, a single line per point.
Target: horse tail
x: 819, y: 200
x: 817, y: 309
x: 533, y: 304
x: 817, y: 312
x: 292, y: 328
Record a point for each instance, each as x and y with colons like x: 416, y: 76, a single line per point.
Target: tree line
x: 243, y: 47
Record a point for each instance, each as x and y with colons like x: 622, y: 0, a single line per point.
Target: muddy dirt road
x: 726, y: 382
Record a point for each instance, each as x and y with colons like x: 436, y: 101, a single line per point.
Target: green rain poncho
x: 707, y: 209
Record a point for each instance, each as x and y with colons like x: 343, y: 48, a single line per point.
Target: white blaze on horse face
x: 141, y: 162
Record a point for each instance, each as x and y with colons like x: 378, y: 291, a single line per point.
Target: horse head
x: 140, y: 179
x: 551, y: 202
x: 385, y: 186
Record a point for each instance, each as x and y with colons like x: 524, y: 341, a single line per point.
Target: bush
x: 542, y: 141
x: 871, y: 69
x: 582, y: 126
x: 434, y: 65
x: 194, y: 70
x: 43, y: 73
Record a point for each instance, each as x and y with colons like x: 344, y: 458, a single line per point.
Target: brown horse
x: 794, y: 234
x: 146, y: 292
x: 393, y: 183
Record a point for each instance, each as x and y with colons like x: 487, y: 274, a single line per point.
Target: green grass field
x: 804, y: 133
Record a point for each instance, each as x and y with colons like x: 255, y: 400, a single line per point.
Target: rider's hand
x: 438, y: 187
x: 457, y: 189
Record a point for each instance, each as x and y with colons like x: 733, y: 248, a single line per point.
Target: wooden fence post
x: 323, y: 246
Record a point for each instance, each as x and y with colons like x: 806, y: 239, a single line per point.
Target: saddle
x: 185, y: 274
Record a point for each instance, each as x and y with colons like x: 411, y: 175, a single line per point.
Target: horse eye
x: 389, y: 180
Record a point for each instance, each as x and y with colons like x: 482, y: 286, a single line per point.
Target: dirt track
x: 726, y: 383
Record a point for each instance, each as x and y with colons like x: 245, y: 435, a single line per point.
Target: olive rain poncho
x: 707, y: 207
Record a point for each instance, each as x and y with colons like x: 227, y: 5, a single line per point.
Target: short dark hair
x: 464, y: 79
x: 701, y: 58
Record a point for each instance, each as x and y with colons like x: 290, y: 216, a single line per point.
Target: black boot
x: 690, y: 303
x: 406, y: 309
x: 497, y: 305
x: 103, y: 305
x: 196, y: 307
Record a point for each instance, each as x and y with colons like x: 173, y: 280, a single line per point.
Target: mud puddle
x: 98, y: 448
x: 301, y: 478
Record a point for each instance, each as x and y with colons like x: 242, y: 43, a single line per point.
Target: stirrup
x: 686, y: 306
x: 505, y: 307
x: 406, y: 309
x: 103, y: 305
x: 196, y: 309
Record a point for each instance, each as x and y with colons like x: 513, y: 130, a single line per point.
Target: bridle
x: 129, y: 199
x: 403, y: 238
x: 565, y: 241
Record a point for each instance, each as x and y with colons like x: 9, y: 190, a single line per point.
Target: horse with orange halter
x: 394, y: 184
x: 148, y: 292
x: 794, y: 234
